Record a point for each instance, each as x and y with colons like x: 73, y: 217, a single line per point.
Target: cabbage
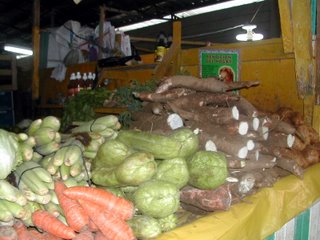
x: 188, y: 140
x: 136, y: 169
x: 174, y: 171
x: 157, y: 198
x: 144, y: 227
x: 110, y: 154
x: 9, y: 153
x: 207, y: 169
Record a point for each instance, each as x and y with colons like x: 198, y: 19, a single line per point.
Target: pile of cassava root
x: 260, y: 147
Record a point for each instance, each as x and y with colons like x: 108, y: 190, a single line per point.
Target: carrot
x: 47, y: 222
x: 109, y: 224
x: 85, y: 235
x: 92, y: 226
x: 75, y: 216
x: 22, y: 231
x: 110, y: 202
x: 8, y: 233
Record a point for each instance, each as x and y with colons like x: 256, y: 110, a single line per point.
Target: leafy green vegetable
x: 136, y: 169
x: 174, y: 171
x: 9, y: 153
x: 207, y: 169
x: 110, y: 154
x: 82, y: 106
x: 157, y: 198
x: 144, y: 227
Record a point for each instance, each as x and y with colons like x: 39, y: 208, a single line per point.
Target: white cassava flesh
x: 250, y: 145
x: 255, y: 123
x: 243, y: 128
x: 235, y: 113
x: 210, y: 146
x: 174, y: 121
x: 290, y: 140
x: 243, y: 152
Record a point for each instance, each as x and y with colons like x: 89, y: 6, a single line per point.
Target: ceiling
x: 16, y: 18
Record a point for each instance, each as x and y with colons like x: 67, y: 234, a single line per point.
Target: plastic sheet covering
x: 259, y: 215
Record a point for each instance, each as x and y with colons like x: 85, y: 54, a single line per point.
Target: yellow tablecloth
x: 267, y: 212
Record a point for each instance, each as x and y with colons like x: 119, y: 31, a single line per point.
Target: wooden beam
x: 302, y: 45
x: 36, y: 48
x: 286, y: 25
x: 171, y: 61
x: 153, y: 40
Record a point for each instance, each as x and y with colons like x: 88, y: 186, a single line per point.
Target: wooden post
x: 101, y: 24
x: 286, y: 25
x: 170, y: 61
x: 36, y: 48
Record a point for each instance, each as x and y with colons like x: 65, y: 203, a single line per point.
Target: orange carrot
x: 109, y: 224
x: 110, y: 202
x: 85, y: 235
x: 47, y: 222
x: 92, y: 226
x: 75, y: 216
x: 99, y: 236
x: 22, y: 231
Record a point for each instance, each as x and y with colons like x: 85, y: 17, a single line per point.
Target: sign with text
x: 219, y: 63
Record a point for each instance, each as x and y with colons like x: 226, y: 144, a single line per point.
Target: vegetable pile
x: 195, y: 148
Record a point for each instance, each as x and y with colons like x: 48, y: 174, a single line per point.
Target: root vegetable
x: 290, y: 165
x: 246, y: 108
x: 75, y: 216
x: 51, y: 224
x: 208, y: 200
x: 280, y: 139
x: 311, y: 156
x: 164, y: 96
x: 205, y: 85
x: 109, y: 224
x: 118, y: 206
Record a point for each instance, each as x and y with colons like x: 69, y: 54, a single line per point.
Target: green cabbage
x: 207, y: 169
x: 9, y: 153
x: 110, y: 154
x: 174, y: 171
x: 188, y: 140
x: 157, y: 198
x: 136, y: 168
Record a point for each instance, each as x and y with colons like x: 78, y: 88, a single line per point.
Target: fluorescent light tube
x: 16, y: 49
x: 141, y: 24
x: 214, y: 7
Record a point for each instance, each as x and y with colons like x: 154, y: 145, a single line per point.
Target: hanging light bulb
x: 250, y: 35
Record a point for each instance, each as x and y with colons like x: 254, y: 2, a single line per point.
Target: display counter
x: 259, y: 215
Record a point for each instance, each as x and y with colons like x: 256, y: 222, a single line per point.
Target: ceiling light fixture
x: 250, y: 35
x: 19, y: 50
x: 213, y: 7
x: 189, y: 13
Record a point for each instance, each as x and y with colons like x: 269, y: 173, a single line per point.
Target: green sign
x: 219, y: 63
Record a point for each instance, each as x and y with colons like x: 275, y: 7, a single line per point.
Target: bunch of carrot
x: 90, y: 213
